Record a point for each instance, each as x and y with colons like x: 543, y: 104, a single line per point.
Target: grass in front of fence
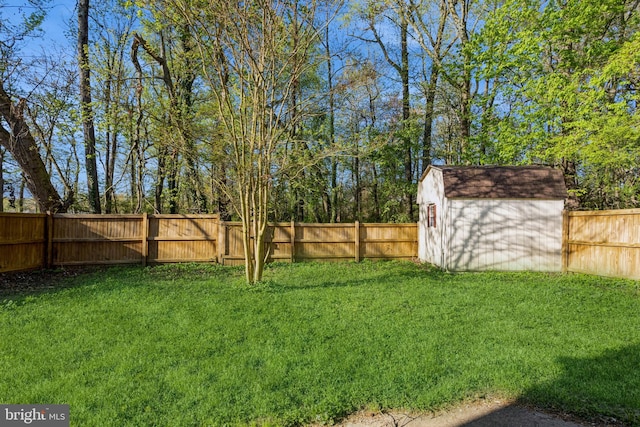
x: 192, y: 345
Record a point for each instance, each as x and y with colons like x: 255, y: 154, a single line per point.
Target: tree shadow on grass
x: 603, y: 391
x: 43, y: 280
x: 20, y: 286
x: 328, y: 275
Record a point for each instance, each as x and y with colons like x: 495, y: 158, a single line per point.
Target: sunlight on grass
x: 193, y: 345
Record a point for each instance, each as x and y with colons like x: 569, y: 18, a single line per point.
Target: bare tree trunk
x: 110, y: 172
x: 370, y: 137
x: 23, y: 182
x: 465, y: 115
x: 22, y: 146
x: 248, y: 235
x: 108, y: 178
x: 184, y: 104
x: 376, y: 198
x: 180, y: 98
x: 172, y: 180
x: 429, y: 108
x: 140, y: 169
x: 161, y: 173
x: 112, y: 95
x: 136, y: 145
x: 299, y: 193
x: 402, y: 68
x: 223, y: 202
x: 333, y: 199
x: 76, y: 173
x: 358, y: 195
x: 357, y: 208
x: 433, y: 47
x: 460, y: 20
x: 1, y: 180
x: 87, y: 110
x: 134, y: 181
x: 334, y: 190
x: 406, y: 111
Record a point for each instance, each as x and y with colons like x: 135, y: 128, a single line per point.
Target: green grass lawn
x: 192, y: 345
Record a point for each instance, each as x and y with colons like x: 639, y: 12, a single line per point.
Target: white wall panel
x: 505, y: 234
x: 431, y: 190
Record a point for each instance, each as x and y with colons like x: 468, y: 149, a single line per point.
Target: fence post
x: 145, y: 242
x: 293, y: 241
x: 415, y: 243
x: 222, y: 240
x: 565, y: 240
x: 48, y: 261
x: 357, y: 241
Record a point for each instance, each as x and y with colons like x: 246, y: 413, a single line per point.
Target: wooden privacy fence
x: 23, y: 241
x: 131, y: 239
x: 31, y: 240
x: 604, y: 243
x: 325, y: 242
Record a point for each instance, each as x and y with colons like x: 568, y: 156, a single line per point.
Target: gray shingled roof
x: 503, y: 182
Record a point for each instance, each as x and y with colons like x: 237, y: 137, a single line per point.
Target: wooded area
x: 29, y: 241
x: 381, y: 92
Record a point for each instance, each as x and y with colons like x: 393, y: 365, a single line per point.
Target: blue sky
x: 58, y: 16
x: 56, y: 24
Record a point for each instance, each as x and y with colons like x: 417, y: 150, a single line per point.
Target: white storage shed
x: 491, y: 218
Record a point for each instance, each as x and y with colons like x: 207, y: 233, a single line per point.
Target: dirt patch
x: 40, y: 280
x: 483, y: 413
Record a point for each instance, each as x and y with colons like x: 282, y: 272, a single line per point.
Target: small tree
x: 253, y: 55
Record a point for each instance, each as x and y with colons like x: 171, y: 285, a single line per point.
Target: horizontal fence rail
x: 604, y: 243
x: 29, y: 241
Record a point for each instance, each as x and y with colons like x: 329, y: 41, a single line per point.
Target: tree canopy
x: 313, y: 110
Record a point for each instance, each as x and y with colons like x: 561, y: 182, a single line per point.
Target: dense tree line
x: 313, y: 110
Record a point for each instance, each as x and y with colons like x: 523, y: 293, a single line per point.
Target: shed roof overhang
x: 501, y: 182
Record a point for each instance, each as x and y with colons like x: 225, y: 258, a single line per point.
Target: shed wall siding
x: 505, y: 235
x: 431, y: 190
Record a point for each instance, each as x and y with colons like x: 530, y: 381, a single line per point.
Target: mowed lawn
x: 190, y: 345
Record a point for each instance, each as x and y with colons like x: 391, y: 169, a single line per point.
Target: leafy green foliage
x: 566, y: 74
